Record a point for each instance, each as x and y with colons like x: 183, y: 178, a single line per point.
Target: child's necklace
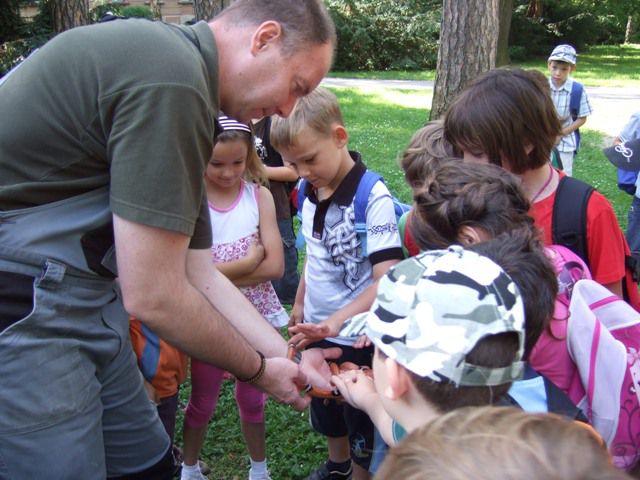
x: 544, y: 187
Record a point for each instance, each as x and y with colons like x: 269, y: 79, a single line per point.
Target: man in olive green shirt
x: 104, y: 136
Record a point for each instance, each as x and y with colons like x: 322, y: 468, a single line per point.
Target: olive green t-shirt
x: 129, y: 104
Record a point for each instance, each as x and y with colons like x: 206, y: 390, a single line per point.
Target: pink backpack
x: 603, y: 339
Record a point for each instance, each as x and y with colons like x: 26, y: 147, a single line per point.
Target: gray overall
x: 72, y: 402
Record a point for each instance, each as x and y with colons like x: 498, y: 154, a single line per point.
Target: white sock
x: 190, y: 471
x: 258, y: 467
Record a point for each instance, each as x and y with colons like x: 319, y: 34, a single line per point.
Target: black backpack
x: 569, y: 228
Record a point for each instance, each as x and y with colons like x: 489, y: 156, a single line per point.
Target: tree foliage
x: 538, y: 25
x: 386, y: 34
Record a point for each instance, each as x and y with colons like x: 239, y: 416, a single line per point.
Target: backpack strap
x: 569, y: 218
x: 575, y: 99
x: 301, y: 195
x: 360, y: 202
x: 558, y: 402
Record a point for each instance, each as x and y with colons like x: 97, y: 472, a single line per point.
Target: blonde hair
x: 500, y: 443
x: 254, y: 170
x: 319, y: 111
x: 426, y: 149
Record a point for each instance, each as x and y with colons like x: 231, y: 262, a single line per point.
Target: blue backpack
x: 574, y: 107
x: 368, y: 180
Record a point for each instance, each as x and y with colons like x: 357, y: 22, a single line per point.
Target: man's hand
x: 282, y: 380
x: 314, y: 366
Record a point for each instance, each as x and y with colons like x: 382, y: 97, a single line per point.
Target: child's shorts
x: 338, y: 420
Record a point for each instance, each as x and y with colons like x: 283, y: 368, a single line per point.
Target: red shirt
x: 606, y: 244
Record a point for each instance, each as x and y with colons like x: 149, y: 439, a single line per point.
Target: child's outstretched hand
x: 357, y: 388
x: 307, y: 333
x: 362, y: 342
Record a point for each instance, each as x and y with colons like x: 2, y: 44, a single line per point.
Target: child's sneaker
x: 259, y: 476
x: 324, y: 473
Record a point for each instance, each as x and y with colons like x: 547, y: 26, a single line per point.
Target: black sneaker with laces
x: 324, y: 472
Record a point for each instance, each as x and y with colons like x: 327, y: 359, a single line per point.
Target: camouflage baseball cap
x: 564, y: 53
x: 431, y: 310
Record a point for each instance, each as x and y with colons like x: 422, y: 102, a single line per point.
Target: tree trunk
x: 629, y: 30
x: 535, y: 9
x: 156, y: 9
x: 66, y: 14
x: 506, y: 9
x: 468, y: 45
x: 207, y: 9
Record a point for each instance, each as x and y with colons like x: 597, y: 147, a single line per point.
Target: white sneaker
x: 259, y: 476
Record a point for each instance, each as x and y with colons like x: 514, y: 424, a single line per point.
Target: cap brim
x: 561, y: 58
x: 625, y: 156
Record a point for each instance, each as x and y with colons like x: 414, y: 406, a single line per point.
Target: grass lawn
x: 380, y: 123
x: 600, y: 66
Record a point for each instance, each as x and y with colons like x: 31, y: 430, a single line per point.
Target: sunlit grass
x: 601, y: 66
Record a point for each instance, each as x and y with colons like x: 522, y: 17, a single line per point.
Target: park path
x: 612, y: 106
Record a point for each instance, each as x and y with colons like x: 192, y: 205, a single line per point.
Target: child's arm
x: 359, y: 391
x: 297, y: 309
x: 236, y: 269
x: 574, y: 126
x: 272, y: 264
x: 281, y: 174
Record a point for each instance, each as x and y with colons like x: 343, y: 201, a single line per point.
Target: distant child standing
x: 281, y: 181
x: 248, y: 250
x: 571, y: 102
x: 631, y: 131
x: 339, y: 279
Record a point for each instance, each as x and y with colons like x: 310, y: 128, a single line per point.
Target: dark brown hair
x: 521, y: 254
x: 457, y: 194
x: 303, y: 22
x: 502, y: 113
x: 492, y: 351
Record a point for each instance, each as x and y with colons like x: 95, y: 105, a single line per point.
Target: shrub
x: 137, y: 11
x: 386, y: 34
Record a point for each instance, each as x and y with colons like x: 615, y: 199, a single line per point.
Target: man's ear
x: 266, y: 34
x: 398, y: 379
x: 340, y: 135
x: 467, y: 236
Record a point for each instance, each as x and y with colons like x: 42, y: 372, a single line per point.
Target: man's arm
x: 153, y: 266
